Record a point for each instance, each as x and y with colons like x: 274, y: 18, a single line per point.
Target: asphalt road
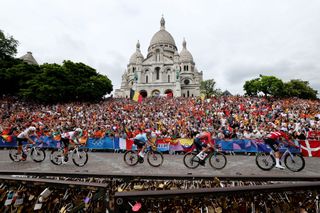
x: 112, y: 163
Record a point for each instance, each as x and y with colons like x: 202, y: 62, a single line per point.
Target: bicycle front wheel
x: 38, y: 155
x: 155, y: 158
x: 14, y: 156
x: 56, y: 156
x: 265, y: 161
x: 131, y: 158
x: 217, y: 160
x: 80, y: 158
x: 191, y: 160
x: 295, y: 162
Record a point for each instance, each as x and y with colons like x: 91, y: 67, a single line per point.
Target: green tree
x: 300, y: 89
x: 271, y: 85
x: 207, y: 88
x: 69, y: 82
x: 252, y: 87
x: 8, y: 46
x: 15, y: 78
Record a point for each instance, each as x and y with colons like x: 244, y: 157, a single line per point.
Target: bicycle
x: 79, y: 156
x: 154, y: 157
x: 36, y: 152
x: 294, y: 162
x: 217, y: 159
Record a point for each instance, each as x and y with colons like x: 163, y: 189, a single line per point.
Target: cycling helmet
x: 79, y: 130
x: 148, y: 130
x: 32, y: 128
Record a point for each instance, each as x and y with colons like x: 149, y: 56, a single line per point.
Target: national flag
x: 310, y: 148
x: 136, y: 96
x: 123, y: 144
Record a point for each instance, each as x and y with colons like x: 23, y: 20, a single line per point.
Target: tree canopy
x: 8, y: 46
x: 48, y: 83
x: 273, y: 86
x: 207, y: 88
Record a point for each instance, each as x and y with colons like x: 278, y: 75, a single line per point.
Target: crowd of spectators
x: 226, y: 117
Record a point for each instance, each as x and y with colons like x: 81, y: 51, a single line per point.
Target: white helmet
x: 32, y: 128
x: 79, y: 130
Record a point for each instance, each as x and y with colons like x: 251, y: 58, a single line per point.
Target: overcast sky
x: 231, y: 41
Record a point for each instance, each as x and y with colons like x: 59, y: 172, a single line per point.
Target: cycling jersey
x: 205, y: 137
x: 25, y: 133
x: 141, y: 137
x: 277, y: 135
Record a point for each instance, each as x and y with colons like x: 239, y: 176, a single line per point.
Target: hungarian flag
x: 136, y: 96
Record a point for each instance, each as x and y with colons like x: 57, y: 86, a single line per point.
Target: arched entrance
x: 143, y: 93
x: 155, y: 93
x: 169, y: 93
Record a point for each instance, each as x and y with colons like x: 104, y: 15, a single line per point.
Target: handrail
x: 188, y: 176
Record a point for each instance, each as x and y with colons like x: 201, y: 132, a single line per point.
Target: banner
x: 310, y: 148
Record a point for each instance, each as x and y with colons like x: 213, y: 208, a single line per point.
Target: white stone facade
x: 163, y: 70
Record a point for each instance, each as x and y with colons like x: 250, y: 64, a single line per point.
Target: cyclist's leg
x: 19, y: 150
x: 141, y: 147
x: 65, y: 142
x: 274, y: 146
x: 198, y: 145
x: 203, y: 154
x: 144, y: 146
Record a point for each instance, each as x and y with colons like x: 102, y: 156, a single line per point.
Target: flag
x: 136, y: 96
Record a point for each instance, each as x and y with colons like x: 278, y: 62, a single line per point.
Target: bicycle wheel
x: 80, y: 157
x: 217, y: 160
x: 155, y: 158
x: 191, y: 160
x: 131, y: 158
x: 56, y: 156
x: 38, y: 155
x: 265, y: 161
x: 295, y: 162
x: 14, y: 156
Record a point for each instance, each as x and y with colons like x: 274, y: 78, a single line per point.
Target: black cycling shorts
x: 65, y: 142
x: 139, y: 143
x: 272, y: 143
x: 21, y: 140
x: 199, y: 144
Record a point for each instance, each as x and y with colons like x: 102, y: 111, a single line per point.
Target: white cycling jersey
x: 25, y: 133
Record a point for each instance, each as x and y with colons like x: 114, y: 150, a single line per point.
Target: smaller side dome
x: 136, y: 55
x: 185, y: 55
x: 28, y: 58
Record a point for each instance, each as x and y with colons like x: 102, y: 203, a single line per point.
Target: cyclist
x: 25, y: 137
x: 272, y: 140
x: 68, y: 137
x: 141, y: 141
x: 203, y: 142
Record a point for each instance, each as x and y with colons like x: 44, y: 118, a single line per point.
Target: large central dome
x: 162, y: 36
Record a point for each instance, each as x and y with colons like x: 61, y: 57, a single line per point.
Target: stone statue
x: 178, y: 74
x: 135, y: 77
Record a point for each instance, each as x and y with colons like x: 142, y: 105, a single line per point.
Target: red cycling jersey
x: 205, y: 137
x: 277, y: 135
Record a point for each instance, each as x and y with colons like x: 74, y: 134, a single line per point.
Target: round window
x: 186, y: 82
